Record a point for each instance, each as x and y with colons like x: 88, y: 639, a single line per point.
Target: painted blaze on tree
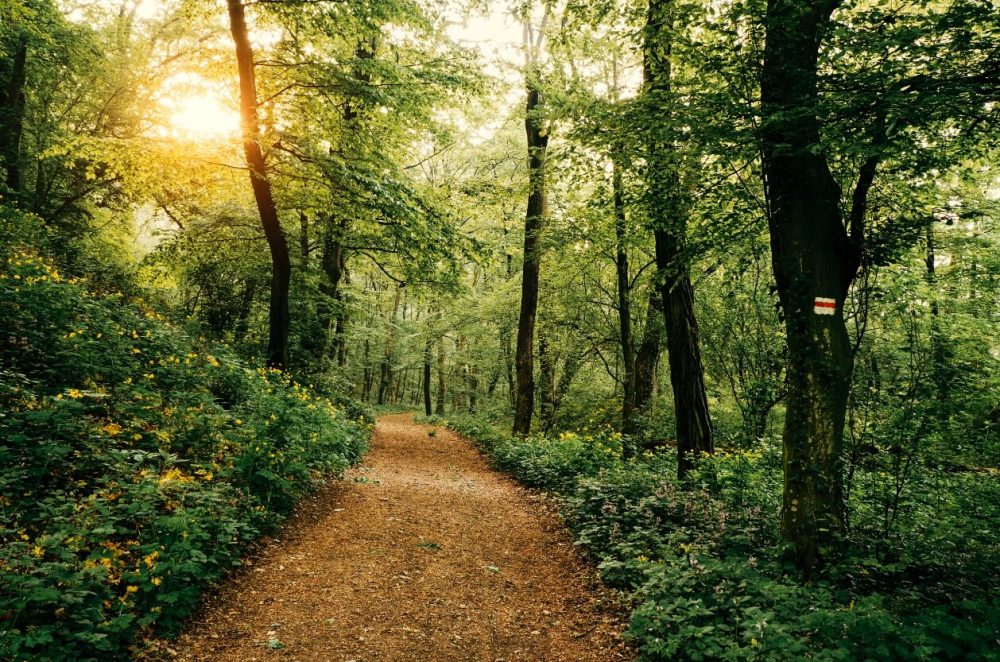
x: 814, y: 261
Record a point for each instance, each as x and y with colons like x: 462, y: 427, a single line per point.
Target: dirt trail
x: 424, y: 553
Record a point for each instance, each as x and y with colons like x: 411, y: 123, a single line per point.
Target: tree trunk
x: 647, y: 357
x: 570, y: 367
x: 669, y: 221
x: 366, y: 381
x: 12, y: 116
x: 546, y: 382
x: 385, y: 373
x: 624, y: 306
x: 940, y: 352
x: 442, y: 385
x: 304, y: 239
x: 427, y: 376
x: 242, y: 325
x: 508, y: 362
x: 333, y: 263
x: 814, y: 262
x: 534, y: 221
x: 473, y: 377
x: 281, y: 266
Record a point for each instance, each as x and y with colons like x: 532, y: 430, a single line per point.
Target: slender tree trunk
x: 385, y: 376
x: 534, y: 221
x: 473, y: 377
x: 304, y: 239
x: 814, y: 262
x: 669, y: 221
x: 442, y: 385
x: 281, y: 266
x: 366, y: 382
x: 647, y: 357
x: 624, y: 306
x: 246, y: 305
x: 940, y: 352
x: 570, y: 367
x: 508, y: 362
x: 339, y: 334
x: 12, y: 116
x: 427, y: 376
x: 546, y: 381
x: 333, y: 263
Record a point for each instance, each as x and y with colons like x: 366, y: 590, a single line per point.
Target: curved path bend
x: 423, y: 553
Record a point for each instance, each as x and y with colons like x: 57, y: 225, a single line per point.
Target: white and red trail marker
x: 823, y: 306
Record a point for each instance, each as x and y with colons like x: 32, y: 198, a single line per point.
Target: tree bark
x: 12, y: 116
x: 533, y: 223
x: 385, y: 372
x: 304, y: 239
x: 940, y: 352
x: 333, y: 262
x: 546, y: 381
x: 624, y: 307
x: 366, y: 380
x: 281, y: 266
x: 647, y: 356
x: 427, y: 376
x: 442, y: 384
x: 814, y: 262
x: 669, y: 220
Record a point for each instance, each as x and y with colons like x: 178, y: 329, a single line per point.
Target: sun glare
x: 203, y: 117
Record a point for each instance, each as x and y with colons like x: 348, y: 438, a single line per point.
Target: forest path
x: 423, y: 553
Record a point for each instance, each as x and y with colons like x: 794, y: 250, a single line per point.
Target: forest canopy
x: 722, y: 276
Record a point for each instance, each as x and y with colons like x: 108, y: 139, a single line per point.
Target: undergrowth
x: 704, y: 572
x: 135, y: 461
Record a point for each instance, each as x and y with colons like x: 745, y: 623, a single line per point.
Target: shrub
x: 135, y: 462
x: 702, y: 567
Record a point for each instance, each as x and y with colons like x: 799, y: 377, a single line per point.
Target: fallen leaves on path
x: 425, y: 554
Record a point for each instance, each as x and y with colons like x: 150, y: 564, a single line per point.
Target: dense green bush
x: 703, y: 567
x: 135, y: 462
x: 552, y: 463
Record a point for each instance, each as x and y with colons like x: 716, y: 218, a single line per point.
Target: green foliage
x: 704, y: 573
x: 554, y: 463
x: 135, y: 462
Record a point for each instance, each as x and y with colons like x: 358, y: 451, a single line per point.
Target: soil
x: 423, y: 553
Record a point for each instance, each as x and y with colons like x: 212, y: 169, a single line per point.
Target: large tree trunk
x: 12, y: 105
x: 814, y: 262
x: 281, y: 266
x: 624, y: 307
x: 534, y: 221
x: 669, y: 221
